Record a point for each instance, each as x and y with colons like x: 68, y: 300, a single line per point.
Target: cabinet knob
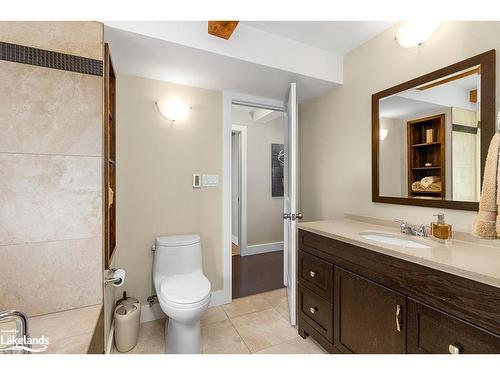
x: 312, y: 274
x: 313, y: 310
x: 454, y: 349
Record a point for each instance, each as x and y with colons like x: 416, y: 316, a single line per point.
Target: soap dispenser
x: 440, y: 229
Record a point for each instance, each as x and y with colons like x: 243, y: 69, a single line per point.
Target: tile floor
x: 255, y: 324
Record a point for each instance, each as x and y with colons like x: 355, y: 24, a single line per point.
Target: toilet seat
x: 185, y: 291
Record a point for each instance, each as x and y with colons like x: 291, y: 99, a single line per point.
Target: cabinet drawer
x: 433, y: 331
x: 317, y: 312
x: 316, y: 274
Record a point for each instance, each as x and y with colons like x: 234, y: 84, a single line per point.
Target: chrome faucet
x: 421, y: 230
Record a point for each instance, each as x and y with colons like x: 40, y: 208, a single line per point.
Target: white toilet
x: 182, y: 289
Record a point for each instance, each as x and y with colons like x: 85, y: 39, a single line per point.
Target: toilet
x: 182, y: 289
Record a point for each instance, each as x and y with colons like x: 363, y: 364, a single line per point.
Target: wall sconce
x: 173, y: 110
x: 383, y: 134
x: 414, y: 33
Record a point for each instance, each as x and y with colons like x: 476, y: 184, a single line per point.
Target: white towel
x: 427, y: 181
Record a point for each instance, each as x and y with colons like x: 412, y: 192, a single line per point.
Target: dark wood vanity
x: 356, y: 300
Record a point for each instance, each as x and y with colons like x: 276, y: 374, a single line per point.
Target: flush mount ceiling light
x: 173, y: 110
x: 414, y: 33
x: 383, y: 134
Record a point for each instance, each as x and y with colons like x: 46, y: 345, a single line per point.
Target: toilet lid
x: 178, y: 240
x: 185, y: 289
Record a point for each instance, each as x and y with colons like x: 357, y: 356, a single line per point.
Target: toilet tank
x: 177, y: 254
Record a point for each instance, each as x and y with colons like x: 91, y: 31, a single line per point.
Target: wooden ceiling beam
x: 222, y: 29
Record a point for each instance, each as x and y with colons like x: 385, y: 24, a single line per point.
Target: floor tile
x: 151, y: 338
x: 295, y: 346
x: 279, y: 301
x: 263, y: 329
x: 274, y: 296
x: 222, y: 338
x: 213, y: 315
x: 283, y: 309
x: 246, y: 305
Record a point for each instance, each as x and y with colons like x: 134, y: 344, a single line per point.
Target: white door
x: 290, y: 213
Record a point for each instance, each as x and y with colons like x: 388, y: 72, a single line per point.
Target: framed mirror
x: 430, y: 136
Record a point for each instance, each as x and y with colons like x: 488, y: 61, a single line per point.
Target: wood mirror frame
x: 487, y: 63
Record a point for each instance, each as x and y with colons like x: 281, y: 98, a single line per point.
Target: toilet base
x: 182, y: 338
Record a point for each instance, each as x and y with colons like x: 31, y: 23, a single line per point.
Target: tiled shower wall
x: 50, y: 172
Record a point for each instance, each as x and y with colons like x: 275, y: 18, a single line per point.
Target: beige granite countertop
x: 69, y: 332
x: 474, y: 259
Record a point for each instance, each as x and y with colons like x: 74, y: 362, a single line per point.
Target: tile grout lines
x: 274, y: 308
x: 238, y: 333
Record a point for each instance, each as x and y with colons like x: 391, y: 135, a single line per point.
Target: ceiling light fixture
x: 414, y: 33
x: 173, y: 110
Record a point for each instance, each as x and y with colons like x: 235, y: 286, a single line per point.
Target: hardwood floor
x: 258, y: 273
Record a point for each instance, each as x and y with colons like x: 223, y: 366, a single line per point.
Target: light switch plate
x: 196, y: 180
x: 210, y: 180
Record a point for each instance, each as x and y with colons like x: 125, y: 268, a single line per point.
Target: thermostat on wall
x: 196, y: 180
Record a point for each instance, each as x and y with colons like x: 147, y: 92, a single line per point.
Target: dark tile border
x: 464, y: 129
x: 48, y: 59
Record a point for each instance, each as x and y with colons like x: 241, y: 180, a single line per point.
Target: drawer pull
x: 454, y: 349
x: 398, y: 318
x: 313, y: 310
x: 312, y: 273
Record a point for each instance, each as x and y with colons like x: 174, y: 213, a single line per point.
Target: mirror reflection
x: 430, y: 140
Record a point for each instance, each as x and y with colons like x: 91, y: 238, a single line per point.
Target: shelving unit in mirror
x: 426, y: 157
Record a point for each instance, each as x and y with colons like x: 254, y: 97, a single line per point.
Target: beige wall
x: 336, y: 128
x: 50, y: 173
x: 155, y: 164
x: 264, y: 212
x: 393, y: 159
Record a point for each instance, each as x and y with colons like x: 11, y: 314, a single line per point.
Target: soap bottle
x: 440, y: 229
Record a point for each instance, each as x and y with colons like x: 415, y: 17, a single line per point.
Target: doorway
x: 289, y: 215
x: 257, y: 161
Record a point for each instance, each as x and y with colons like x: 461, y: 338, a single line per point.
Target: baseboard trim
x: 150, y: 313
x: 261, y: 248
x: 111, y: 339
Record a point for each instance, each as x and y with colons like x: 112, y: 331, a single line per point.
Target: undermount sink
x: 393, y: 240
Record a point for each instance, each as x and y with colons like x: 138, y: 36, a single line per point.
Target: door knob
x: 287, y: 216
x: 313, y: 310
x: 299, y: 216
x: 312, y: 273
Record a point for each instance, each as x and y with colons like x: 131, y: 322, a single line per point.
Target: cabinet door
x: 369, y: 318
x: 433, y: 331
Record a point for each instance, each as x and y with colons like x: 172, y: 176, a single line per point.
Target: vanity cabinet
x: 355, y: 300
x: 433, y: 331
x: 369, y: 318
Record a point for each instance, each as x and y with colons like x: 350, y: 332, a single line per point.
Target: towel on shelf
x: 486, y: 224
x: 418, y: 186
x: 427, y: 181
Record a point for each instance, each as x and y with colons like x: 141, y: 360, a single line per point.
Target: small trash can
x: 127, y: 319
